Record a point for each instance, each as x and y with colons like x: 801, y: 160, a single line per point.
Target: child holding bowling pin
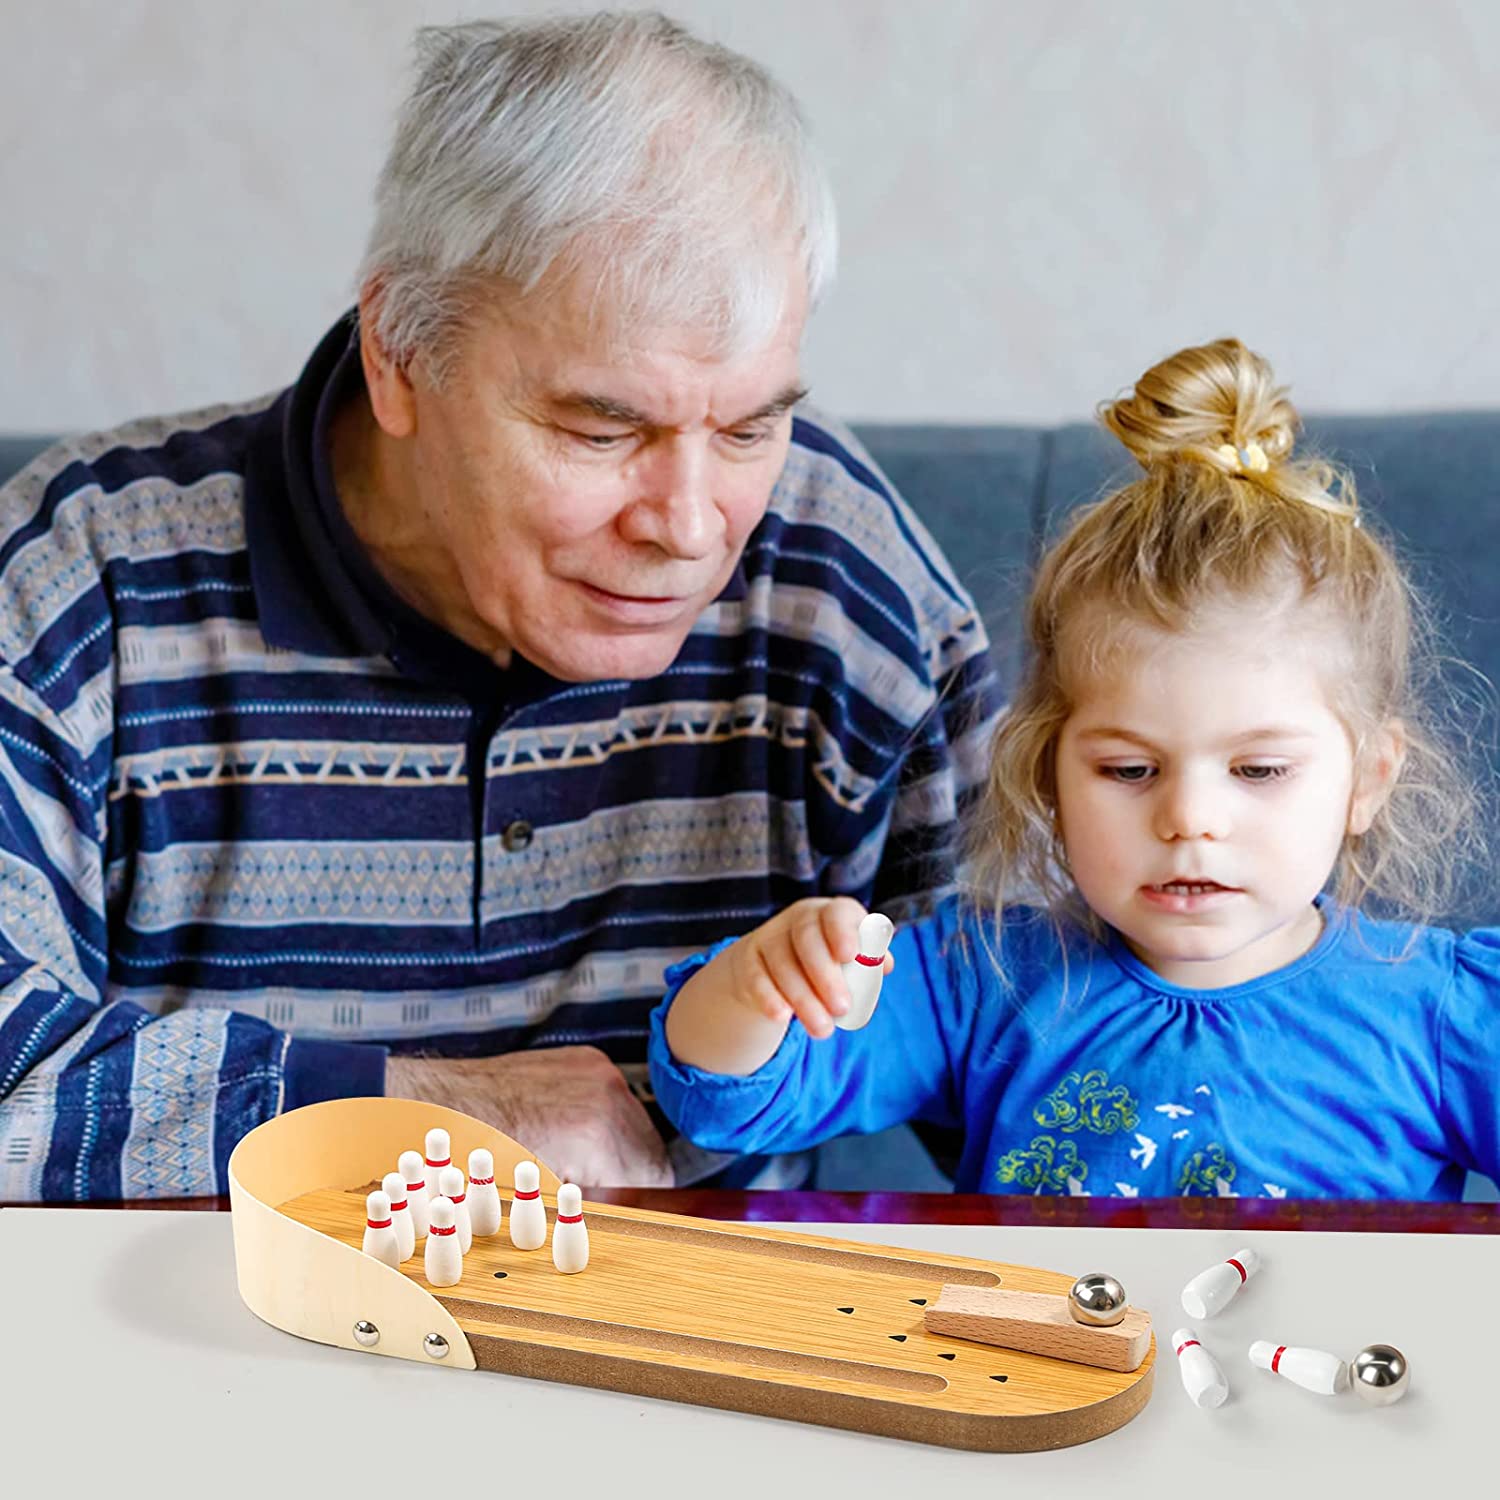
x: 1217, y: 767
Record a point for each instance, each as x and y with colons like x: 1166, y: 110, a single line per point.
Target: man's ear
x: 392, y: 399
x: 1375, y: 773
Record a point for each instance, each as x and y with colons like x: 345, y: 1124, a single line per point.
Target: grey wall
x: 1038, y: 199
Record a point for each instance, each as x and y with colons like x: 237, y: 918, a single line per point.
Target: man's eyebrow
x: 608, y: 409
x: 776, y: 406
x: 1249, y: 737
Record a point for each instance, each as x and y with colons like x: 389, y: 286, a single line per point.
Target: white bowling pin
x: 418, y: 1200
x: 528, y: 1216
x: 1202, y: 1378
x: 394, y: 1185
x: 570, y: 1235
x: 442, y: 1261
x: 438, y: 1155
x: 1211, y: 1291
x: 452, y: 1186
x: 380, y: 1233
x: 484, y: 1196
x: 864, y: 975
x: 1326, y: 1374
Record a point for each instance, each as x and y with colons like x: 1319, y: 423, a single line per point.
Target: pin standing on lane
x: 443, y: 1261
x: 452, y: 1185
x: 418, y: 1200
x: 484, y: 1196
x: 570, y: 1235
x: 394, y: 1187
x: 528, y: 1217
x: 439, y: 1155
x: 380, y: 1233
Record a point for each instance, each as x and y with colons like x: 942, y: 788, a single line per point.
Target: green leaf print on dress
x: 1087, y: 1102
x: 1044, y: 1167
x: 1204, y: 1170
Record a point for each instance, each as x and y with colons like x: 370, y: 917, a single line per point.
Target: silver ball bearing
x: 1097, y: 1300
x: 1380, y: 1374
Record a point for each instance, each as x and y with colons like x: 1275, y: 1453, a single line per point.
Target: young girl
x: 1216, y: 760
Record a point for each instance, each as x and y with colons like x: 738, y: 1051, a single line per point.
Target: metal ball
x: 366, y: 1333
x: 1098, y: 1300
x: 436, y: 1346
x: 1380, y: 1374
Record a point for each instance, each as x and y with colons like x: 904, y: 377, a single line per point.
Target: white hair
x: 530, y: 149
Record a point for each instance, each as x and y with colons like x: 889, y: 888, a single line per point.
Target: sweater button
x: 517, y: 836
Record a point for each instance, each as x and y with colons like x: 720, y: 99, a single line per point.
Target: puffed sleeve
x: 1469, y: 1053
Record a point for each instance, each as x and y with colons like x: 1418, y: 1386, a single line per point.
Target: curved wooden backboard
x: 312, y: 1285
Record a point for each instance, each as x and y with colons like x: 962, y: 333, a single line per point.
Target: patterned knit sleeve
x: 1469, y: 1053
x: 906, y: 745
x: 101, y: 1099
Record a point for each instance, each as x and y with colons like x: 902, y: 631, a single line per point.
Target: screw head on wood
x: 1097, y: 1300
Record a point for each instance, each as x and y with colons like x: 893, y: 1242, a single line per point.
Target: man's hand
x: 570, y: 1106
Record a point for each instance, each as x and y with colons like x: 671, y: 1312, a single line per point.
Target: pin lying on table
x: 1045, y: 1323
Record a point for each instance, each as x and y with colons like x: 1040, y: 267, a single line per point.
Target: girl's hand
x: 793, y: 964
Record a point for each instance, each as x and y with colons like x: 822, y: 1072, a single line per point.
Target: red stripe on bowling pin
x: 1276, y: 1360
x: 535, y: 1193
x: 451, y: 1229
x: 869, y: 963
x: 377, y: 1223
x: 1188, y: 1344
x: 1238, y: 1267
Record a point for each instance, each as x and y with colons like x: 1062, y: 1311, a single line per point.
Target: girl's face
x: 1204, y: 788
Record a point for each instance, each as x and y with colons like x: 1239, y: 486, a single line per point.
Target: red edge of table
x: 1353, y: 1216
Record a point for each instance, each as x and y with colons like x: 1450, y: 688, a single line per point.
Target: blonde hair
x: 1199, y: 527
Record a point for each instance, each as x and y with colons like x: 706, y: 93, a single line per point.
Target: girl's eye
x: 1128, y: 774
x: 1262, y: 773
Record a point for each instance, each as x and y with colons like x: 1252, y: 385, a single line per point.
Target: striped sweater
x: 260, y: 823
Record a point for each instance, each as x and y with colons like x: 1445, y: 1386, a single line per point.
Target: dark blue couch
x: 990, y: 494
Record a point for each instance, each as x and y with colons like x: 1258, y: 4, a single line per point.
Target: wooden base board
x: 767, y: 1321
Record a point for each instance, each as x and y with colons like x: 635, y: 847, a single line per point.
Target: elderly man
x: 396, y: 732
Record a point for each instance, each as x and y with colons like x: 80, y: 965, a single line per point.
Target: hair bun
x: 1199, y: 400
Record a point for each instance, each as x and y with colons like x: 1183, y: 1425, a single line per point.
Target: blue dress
x: 1367, y: 1068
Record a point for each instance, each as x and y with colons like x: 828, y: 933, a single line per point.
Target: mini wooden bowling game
x: 772, y: 1322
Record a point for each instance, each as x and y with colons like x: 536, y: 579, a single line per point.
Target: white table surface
x: 129, y: 1365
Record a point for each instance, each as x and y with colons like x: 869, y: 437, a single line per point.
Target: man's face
x: 585, y: 499
x: 1204, y: 788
